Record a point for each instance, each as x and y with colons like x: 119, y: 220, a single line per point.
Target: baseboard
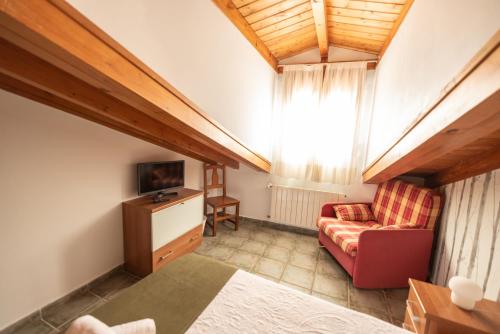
x: 13, y: 328
x: 281, y: 227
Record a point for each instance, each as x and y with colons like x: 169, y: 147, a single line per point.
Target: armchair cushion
x: 397, y: 202
x: 354, y: 212
x: 345, y: 233
x: 399, y: 227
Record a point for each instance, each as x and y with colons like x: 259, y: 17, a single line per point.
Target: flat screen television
x: 159, y: 176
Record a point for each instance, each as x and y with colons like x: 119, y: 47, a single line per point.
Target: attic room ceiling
x: 283, y: 28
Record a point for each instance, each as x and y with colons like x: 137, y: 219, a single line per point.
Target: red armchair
x: 387, y: 252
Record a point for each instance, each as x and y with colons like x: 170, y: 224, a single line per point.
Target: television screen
x: 158, y: 176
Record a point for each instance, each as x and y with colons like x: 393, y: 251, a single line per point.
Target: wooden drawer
x: 414, y: 315
x: 182, y: 245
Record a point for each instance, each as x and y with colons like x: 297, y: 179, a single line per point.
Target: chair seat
x: 221, y: 201
x: 345, y: 233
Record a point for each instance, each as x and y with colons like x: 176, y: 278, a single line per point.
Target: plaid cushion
x: 397, y: 202
x: 345, y: 233
x: 353, y: 212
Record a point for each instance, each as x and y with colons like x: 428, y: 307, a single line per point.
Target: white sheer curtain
x: 316, y: 123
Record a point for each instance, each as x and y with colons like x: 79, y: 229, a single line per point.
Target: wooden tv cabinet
x: 156, y: 233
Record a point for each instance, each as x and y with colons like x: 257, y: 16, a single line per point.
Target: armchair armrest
x: 327, y: 208
x: 387, y: 258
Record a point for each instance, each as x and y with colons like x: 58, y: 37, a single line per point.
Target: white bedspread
x: 251, y: 304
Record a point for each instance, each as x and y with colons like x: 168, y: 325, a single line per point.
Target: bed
x: 195, y: 294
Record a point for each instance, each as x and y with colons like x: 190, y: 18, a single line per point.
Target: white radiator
x: 299, y: 207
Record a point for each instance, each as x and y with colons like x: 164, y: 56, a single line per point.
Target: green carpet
x: 174, y: 296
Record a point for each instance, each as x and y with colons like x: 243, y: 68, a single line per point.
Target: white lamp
x: 464, y: 292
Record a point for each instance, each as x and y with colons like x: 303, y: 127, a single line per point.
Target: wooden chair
x: 219, y: 202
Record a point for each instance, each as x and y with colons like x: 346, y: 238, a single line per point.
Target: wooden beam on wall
x: 467, y: 110
x: 83, y: 51
x: 395, y: 27
x: 320, y: 22
x: 233, y: 14
x: 475, y: 165
x: 371, y: 65
x: 44, y: 82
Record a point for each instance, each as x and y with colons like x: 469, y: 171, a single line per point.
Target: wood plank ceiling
x: 290, y: 27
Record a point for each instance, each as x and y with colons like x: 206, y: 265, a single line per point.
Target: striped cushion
x: 397, y: 202
x: 345, y: 233
x: 353, y: 212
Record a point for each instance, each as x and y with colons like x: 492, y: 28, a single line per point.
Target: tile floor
x: 291, y: 259
x: 56, y: 317
x: 295, y: 260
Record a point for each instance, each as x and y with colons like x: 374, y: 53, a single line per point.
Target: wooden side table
x: 429, y: 310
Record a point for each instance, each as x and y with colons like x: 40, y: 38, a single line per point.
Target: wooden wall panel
x: 468, y: 243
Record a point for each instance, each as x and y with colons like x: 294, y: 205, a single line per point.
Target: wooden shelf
x: 458, y: 136
x: 54, y: 55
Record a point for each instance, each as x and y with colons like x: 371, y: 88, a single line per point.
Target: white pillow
x: 90, y: 325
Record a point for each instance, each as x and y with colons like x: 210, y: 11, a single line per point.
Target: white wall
x: 192, y: 45
x: 434, y: 42
x: 63, y: 179
x: 234, y: 87
x: 197, y: 49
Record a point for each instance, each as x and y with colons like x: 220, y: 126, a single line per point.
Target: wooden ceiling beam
x: 41, y: 81
x: 81, y: 50
x: 20, y: 88
x: 234, y: 15
x: 474, y: 165
x: 370, y: 65
x: 466, y: 112
x: 320, y: 22
x: 395, y: 27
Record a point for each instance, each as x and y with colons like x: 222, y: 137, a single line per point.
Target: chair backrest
x: 397, y: 202
x: 212, y: 172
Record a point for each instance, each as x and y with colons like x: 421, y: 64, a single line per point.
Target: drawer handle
x: 196, y: 237
x: 182, y: 203
x: 163, y: 257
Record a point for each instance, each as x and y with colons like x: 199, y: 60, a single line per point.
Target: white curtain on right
x: 317, y: 123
